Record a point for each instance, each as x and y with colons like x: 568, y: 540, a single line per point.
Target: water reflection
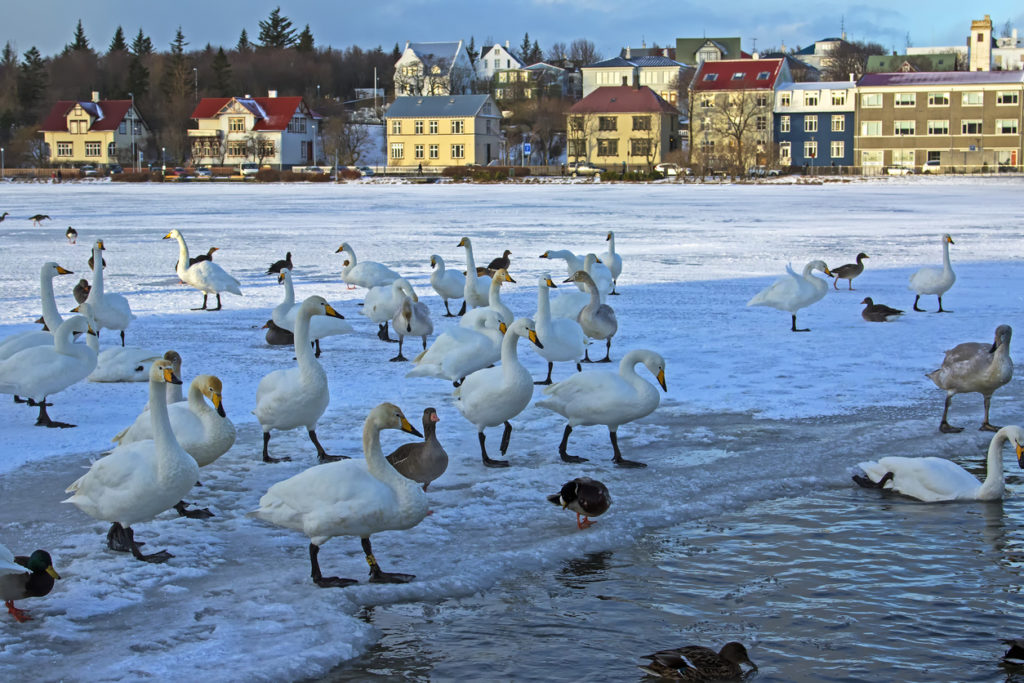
x: 578, y: 572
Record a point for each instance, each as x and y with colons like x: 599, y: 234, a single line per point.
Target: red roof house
x: 101, y: 132
x: 622, y: 125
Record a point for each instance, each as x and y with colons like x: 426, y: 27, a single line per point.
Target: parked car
x: 931, y: 166
x: 365, y: 170
x: 584, y: 168
x: 155, y: 167
x: 667, y: 168
x: 115, y: 169
x: 203, y: 172
x: 88, y: 171
x: 899, y: 170
x: 249, y: 168
x: 180, y: 172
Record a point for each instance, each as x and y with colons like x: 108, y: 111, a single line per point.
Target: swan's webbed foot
x: 153, y: 558
x: 570, y: 458
x: 586, y: 357
x: 916, y: 308
x: 324, y: 457
x: 398, y: 359
x: 488, y: 461
x: 793, y: 327
x: 43, y: 420
x: 947, y: 428
x: 266, y: 454
x: 378, y: 576
x: 19, y: 399
x: 562, y: 448
x: 988, y: 427
x: 321, y: 580
x: 618, y: 459
x: 544, y: 382
x: 218, y: 304
x: 197, y: 513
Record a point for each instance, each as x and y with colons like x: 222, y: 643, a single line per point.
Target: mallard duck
x: 793, y: 292
x: 936, y: 480
x: 276, y: 266
x: 422, y: 461
x: 18, y: 584
x: 38, y: 218
x: 974, y: 367
x: 584, y: 496
x: 597, y: 319
x: 848, y: 271
x: 607, y: 398
x: 350, y: 498
x: 449, y: 284
x: 206, y: 276
x: 697, y: 663
x: 933, y: 280
x: 72, y: 235
x: 878, y: 313
x: 367, y: 274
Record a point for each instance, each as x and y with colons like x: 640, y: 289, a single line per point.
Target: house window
x: 458, y: 127
x: 810, y: 149
x: 607, y: 123
x: 92, y: 149
x: 297, y: 125
x: 418, y: 151
x: 761, y: 100
x: 938, y: 128
x: 870, y: 128
x: 1006, y: 126
x: 784, y: 124
x: 432, y: 125
x: 903, y: 157
x: 641, y: 123
x: 763, y: 75
x: 973, y: 98
x: 970, y: 127
x: 302, y: 151
x: 710, y: 77
x: 904, y: 127
x: 707, y: 101
x: 434, y: 152
x: 761, y: 123
x: 811, y: 98
x: 396, y: 127
x: 811, y: 124
x: 738, y: 75
x: 784, y: 153
x: 397, y: 150
x: 871, y: 99
x: 417, y: 127
x: 838, y: 149
x: 707, y: 147
x: 236, y: 124
x: 607, y: 148
x: 63, y: 149
x: 576, y: 124
x: 905, y: 99
x: 838, y: 98
x: 122, y: 128
x: 267, y: 149
x: 458, y: 151
x: 112, y: 148
x: 577, y: 148
x: 938, y: 99
x: 838, y: 123
x: 640, y: 147
x: 934, y: 155
x: 237, y: 149
x: 785, y: 98
x: 1007, y: 97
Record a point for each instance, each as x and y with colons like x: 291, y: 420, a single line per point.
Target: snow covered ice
x: 238, y: 592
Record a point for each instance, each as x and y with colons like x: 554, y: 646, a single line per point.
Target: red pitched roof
x: 738, y: 74
x: 272, y: 113
x: 112, y: 112
x: 620, y: 99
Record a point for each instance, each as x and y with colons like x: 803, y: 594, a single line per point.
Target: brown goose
x: 208, y: 256
x: 584, y: 496
x: 276, y: 266
x: 278, y: 336
x: 878, y: 313
x: 974, y: 367
x: 38, y: 218
x: 849, y: 271
x: 422, y: 461
x: 698, y: 663
x: 91, y: 262
x: 82, y: 290
x: 499, y: 263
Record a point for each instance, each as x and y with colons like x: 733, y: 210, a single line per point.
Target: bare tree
x: 557, y: 54
x: 583, y: 52
x: 645, y: 140
x: 347, y: 141
x: 259, y: 146
x: 739, y: 120
x: 849, y: 58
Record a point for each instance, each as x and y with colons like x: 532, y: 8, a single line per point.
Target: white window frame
x: 93, y: 148
x: 838, y: 98
x: 810, y: 149
x: 417, y: 151
x: 458, y: 151
x: 904, y: 127
x: 785, y: 98
x: 872, y: 157
x: 965, y: 124
x: 1007, y: 126
x: 938, y: 127
x: 432, y: 126
x: 397, y: 150
x: 811, y: 123
x: 838, y: 149
x: 396, y: 126
x: 972, y: 98
x: 838, y: 123
x: 1004, y: 97
x: 870, y: 129
x: 458, y: 127
x: 65, y: 148
x: 784, y: 123
x: 871, y: 100
x: 811, y: 98
x: 904, y: 99
x: 938, y: 99
x: 434, y: 151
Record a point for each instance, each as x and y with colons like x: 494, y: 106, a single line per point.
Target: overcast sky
x: 610, y: 24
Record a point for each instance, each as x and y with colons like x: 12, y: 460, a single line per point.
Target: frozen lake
x: 747, y: 485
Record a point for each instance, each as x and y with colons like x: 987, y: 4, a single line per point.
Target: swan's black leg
x: 618, y: 459
x: 122, y: 337
x: 378, y: 576
x: 43, y: 420
x: 942, y: 310
x: 489, y: 462
x: 203, y: 307
x: 547, y: 380
x: 586, y: 356
x: 266, y: 454
x: 154, y: 558
x: 793, y: 326
x: 944, y: 426
x: 399, y: 358
x: 447, y: 311
x: 321, y: 454
x: 916, y: 299
x: 565, y: 444
x: 183, y: 511
x: 506, y: 436
x: 607, y: 352
x: 321, y: 580
x: 218, y: 303
x: 462, y: 311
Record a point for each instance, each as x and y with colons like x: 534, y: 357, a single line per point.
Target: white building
x: 496, y: 58
x: 433, y: 69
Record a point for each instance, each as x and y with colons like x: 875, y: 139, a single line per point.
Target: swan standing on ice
x: 320, y: 326
x: 350, y: 498
x: 382, y: 302
x: 368, y: 274
x: 974, y: 367
x: 111, y: 311
x: 607, y: 398
x: 206, y: 276
x: 477, y: 287
x: 412, y: 319
x: 51, y: 315
x: 793, y: 292
x: 935, y: 480
x: 461, y: 351
x: 613, y: 261
x: 933, y: 280
x: 597, y: 319
x: 563, y: 340
x: 449, y: 284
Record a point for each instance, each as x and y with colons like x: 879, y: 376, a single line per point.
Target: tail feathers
x: 555, y: 498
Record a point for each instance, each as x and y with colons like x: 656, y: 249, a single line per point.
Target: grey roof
x: 942, y: 77
x: 438, y: 105
x: 809, y: 50
x: 609, y: 63
x: 655, y: 60
x: 430, y: 52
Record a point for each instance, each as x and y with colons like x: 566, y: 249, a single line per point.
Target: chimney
x: 271, y: 94
x: 628, y: 53
x: 852, y: 79
x: 636, y: 81
x: 664, y: 52
x: 95, y: 95
x: 507, y: 46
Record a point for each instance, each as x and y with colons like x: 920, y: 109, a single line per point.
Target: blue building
x: 813, y: 123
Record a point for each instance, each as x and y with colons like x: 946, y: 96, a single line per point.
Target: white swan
x: 39, y: 371
x: 381, y: 304
x: 477, y: 286
x: 51, y: 316
x: 412, y: 319
x: 933, y: 280
x: 562, y: 339
x: 607, y: 398
x: 793, y: 292
x: 117, y: 363
x: 568, y: 304
x: 206, y: 276
x: 350, y: 498
x: 320, y: 326
x: 111, y: 311
x: 494, y: 302
x: 974, y: 367
x: 298, y: 396
x: 612, y: 260
x: 172, y: 390
x: 461, y: 351
x: 493, y: 396
x: 449, y: 284
x: 367, y: 274
x: 138, y: 481
x: 572, y: 261
x: 597, y: 319
x: 935, y: 480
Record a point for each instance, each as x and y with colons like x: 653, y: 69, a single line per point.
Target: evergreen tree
x: 472, y: 52
x: 138, y: 77
x: 118, y: 44
x: 305, y: 42
x: 32, y: 82
x: 221, y: 74
x: 276, y: 31
x: 177, y: 76
x: 525, y: 48
x: 80, y: 42
x: 535, y: 54
x: 142, y: 45
x: 243, y: 42
x: 396, y: 54
x: 9, y: 57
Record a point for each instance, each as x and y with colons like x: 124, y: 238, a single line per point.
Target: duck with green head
x: 24, y: 577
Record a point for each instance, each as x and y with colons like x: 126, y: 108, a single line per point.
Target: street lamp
x: 1, y: 163
x: 195, y: 74
x: 131, y: 122
x: 318, y: 92
x: 163, y: 161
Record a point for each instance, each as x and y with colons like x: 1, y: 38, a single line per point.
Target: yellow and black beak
x: 544, y: 255
x: 552, y: 284
x: 64, y: 271
x: 75, y: 309
x: 52, y: 572
x: 92, y: 331
x: 533, y: 337
x: 661, y: 379
x: 950, y: 240
x: 329, y: 310
x: 218, y: 403
x: 99, y: 244
x: 433, y: 263
x: 406, y: 427
x: 461, y: 243
x: 280, y: 277
x: 168, y: 236
x: 170, y: 377
x: 1020, y: 455
x: 503, y: 327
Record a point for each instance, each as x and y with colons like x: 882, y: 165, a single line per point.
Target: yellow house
x: 624, y: 125
x: 100, y: 132
x: 446, y: 130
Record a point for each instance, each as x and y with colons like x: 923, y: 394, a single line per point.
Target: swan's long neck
x: 543, y: 302
x: 289, y: 290
x: 159, y: 419
x: 93, y: 342
x: 307, y: 362
x: 196, y: 403
x: 993, y: 485
x: 510, y: 351
x: 376, y: 463
x: 627, y: 369
x: 96, y: 293
x: 494, y: 294
x: 62, y: 340
x: 590, y: 288
x: 351, y: 258
x: 182, y: 256
x: 470, y: 262
x: 611, y: 244
x: 51, y: 316
x: 946, y: 266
